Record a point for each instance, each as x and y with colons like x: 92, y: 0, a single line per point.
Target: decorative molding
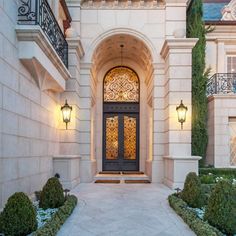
x: 60, y: 157
x: 41, y: 59
x: 224, y: 33
x: 190, y: 158
x: 183, y: 44
x: 122, y: 4
x: 221, y: 96
x: 75, y: 44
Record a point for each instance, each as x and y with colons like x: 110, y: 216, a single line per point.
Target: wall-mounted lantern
x: 181, y: 110
x: 66, y: 113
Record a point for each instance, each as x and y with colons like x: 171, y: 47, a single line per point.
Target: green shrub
x: 221, y: 209
x: 206, y: 192
x: 207, y: 179
x: 52, y: 195
x: 218, y: 171
x: 54, y: 224
x: 192, y: 193
x: 19, y: 216
x: 200, y: 227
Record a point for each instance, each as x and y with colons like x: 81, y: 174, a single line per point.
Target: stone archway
x: 137, y: 56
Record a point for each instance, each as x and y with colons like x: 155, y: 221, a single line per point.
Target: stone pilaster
x: 177, y: 54
x: 67, y: 164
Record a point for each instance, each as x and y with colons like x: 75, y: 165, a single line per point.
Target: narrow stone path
x: 124, y: 210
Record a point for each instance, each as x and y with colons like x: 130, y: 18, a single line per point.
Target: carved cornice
x: 75, y: 43
x: 121, y: 4
x: 183, y: 44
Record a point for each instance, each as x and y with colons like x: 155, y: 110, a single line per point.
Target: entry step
x: 122, y: 176
x: 122, y: 172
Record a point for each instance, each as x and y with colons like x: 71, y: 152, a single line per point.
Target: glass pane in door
x: 130, y: 140
x: 112, y: 124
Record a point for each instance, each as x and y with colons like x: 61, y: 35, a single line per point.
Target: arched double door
x: 121, y: 94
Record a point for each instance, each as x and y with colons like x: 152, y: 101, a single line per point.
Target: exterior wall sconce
x: 181, y: 110
x: 66, y: 113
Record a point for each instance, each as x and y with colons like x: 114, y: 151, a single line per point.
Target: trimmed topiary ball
x: 52, y: 195
x: 192, y: 193
x: 19, y: 216
x: 221, y: 208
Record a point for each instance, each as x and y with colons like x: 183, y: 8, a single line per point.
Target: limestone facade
x: 34, y: 84
x: 221, y: 46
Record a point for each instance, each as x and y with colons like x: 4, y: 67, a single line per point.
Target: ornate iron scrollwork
x: 112, y: 138
x: 121, y: 84
x: 26, y: 11
x: 221, y: 83
x: 130, y: 138
x: 38, y: 12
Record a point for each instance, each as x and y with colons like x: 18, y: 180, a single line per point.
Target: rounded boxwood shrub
x: 19, y: 216
x: 192, y: 193
x: 221, y: 208
x: 52, y: 194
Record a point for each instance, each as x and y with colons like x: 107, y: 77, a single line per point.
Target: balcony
x: 38, y: 12
x: 43, y: 49
x: 222, y: 83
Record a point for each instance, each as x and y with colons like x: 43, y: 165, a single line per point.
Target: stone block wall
x: 28, y: 117
x: 221, y: 109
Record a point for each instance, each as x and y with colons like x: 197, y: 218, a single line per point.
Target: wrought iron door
x: 121, y: 141
x: 121, y: 120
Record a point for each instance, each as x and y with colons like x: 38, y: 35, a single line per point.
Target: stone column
x: 178, y: 162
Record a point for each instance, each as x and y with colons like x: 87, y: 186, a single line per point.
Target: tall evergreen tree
x: 196, y: 29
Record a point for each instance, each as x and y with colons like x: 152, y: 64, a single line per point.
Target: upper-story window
x: 231, y: 64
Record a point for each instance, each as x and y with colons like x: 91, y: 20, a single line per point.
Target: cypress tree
x: 196, y: 29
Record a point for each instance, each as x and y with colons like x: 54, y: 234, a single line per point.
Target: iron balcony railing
x: 38, y: 12
x: 221, y: 83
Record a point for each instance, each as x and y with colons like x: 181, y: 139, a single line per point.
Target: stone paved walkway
x: 124, y: 210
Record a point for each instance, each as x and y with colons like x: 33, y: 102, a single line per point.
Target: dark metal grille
x: 221, y: 83
x: 38, y: 12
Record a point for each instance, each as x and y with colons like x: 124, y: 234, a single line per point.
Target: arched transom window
x: 121, y: 84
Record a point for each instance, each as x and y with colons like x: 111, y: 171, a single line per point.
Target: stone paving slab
x: 124, y: 210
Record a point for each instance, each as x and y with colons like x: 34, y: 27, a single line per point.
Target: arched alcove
x: 137, y: 58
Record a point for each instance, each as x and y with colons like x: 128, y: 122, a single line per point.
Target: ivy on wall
x: 196, y: 29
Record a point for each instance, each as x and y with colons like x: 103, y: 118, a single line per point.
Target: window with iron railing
x: 222, y: 83
x: 39, y: 12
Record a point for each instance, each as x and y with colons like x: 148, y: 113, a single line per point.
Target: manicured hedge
x: 52, y: 195
x: 206, y: 192
x: 200, y: 227
x: 218, y: 171
x: 54, y: 224
x: 18, y: 217
x: 192, y: 192
x: 221, y: 208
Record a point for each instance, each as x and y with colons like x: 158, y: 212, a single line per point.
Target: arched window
x: 121, y: 84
